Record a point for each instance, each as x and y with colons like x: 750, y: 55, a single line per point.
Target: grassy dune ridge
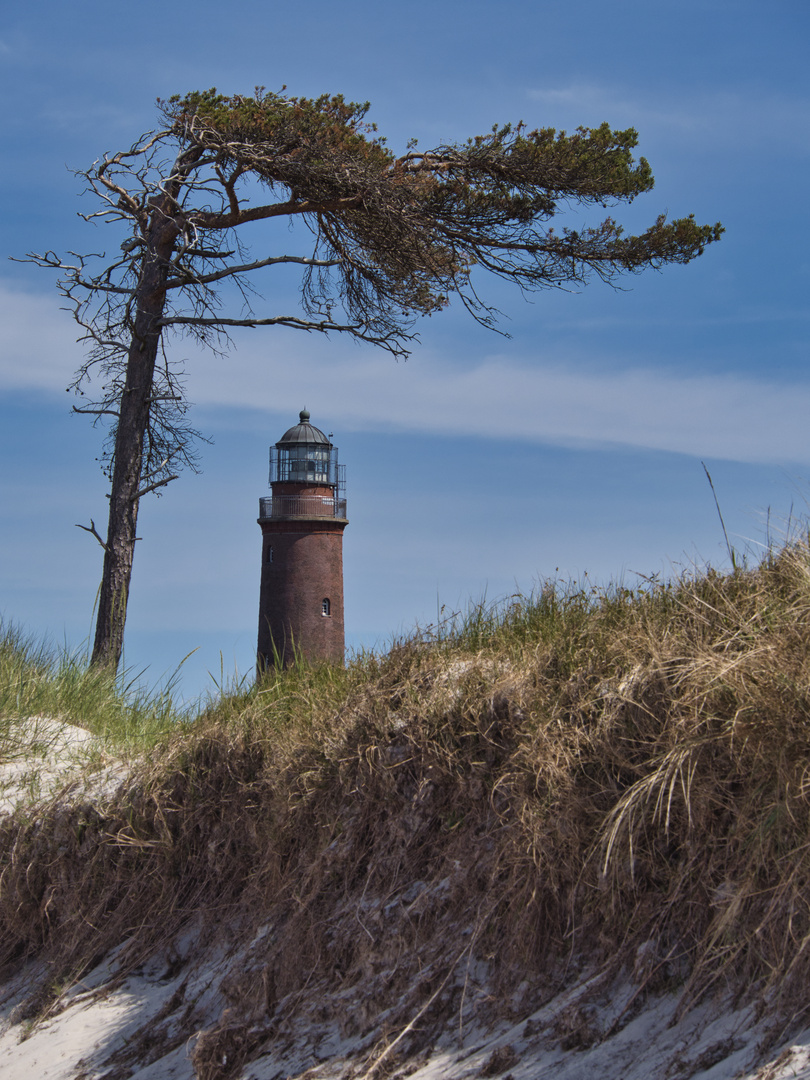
x: 620, y: 776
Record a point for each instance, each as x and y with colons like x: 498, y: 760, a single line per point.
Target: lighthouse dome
x: 304, y: 432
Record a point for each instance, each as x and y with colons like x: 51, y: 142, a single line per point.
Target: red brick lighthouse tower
x: 301, y: 598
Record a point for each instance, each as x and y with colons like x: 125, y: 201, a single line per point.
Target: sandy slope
x: 169, y: 1019
x: 43, y: 755
x: 139, y: 1030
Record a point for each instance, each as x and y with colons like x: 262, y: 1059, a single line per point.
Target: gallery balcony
x: 289, y: 507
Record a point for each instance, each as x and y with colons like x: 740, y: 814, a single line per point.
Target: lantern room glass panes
x: 304, y: 463
x: 307, y: 464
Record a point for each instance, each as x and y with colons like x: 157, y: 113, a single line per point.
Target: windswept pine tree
x: 388, y: 238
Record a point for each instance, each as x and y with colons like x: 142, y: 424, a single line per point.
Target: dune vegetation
x: 616, y: 778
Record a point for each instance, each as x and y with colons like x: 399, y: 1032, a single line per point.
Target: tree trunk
x: 130, y: 437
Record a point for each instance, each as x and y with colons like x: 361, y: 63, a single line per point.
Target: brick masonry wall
x: 306, y: 568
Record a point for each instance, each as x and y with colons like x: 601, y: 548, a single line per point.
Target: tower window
x: 269, y: 555
x: 326, y: 607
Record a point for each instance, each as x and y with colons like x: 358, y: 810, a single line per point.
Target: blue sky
x: 483, y: 464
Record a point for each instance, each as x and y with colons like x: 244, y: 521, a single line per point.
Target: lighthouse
x: 302, y: 523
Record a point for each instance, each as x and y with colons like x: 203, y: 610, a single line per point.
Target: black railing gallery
x: 295, y: 506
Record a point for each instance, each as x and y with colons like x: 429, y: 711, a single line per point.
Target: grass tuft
x: 38, y: 681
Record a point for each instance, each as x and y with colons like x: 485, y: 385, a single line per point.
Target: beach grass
x: 611, y: 772
x: 40, y: 681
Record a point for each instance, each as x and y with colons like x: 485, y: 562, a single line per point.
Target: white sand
x: 93, y: 1032
x: 43, y: 755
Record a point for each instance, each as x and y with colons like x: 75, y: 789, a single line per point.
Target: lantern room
x: 305, y: 477
x: 304, y: 455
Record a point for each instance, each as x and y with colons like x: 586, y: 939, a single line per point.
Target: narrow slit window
x: 326, y: 607
x: 269, y: 555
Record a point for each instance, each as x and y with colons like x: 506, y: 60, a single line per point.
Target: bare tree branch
x: 183, y: 280
x: 157, y: 484
x: 97, y: 412
x: 93, y: 531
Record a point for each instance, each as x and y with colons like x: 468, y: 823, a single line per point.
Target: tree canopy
x: 389, y: 238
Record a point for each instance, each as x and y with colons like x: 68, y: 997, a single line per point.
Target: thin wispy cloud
x: 732, y: 417
x: 724, y: 116
x: 38, y: 350
x: 81, y: 120
x: 751, y: 315
x: 575, y: 402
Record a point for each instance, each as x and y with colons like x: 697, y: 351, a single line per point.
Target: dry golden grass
x: 620, y: 775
